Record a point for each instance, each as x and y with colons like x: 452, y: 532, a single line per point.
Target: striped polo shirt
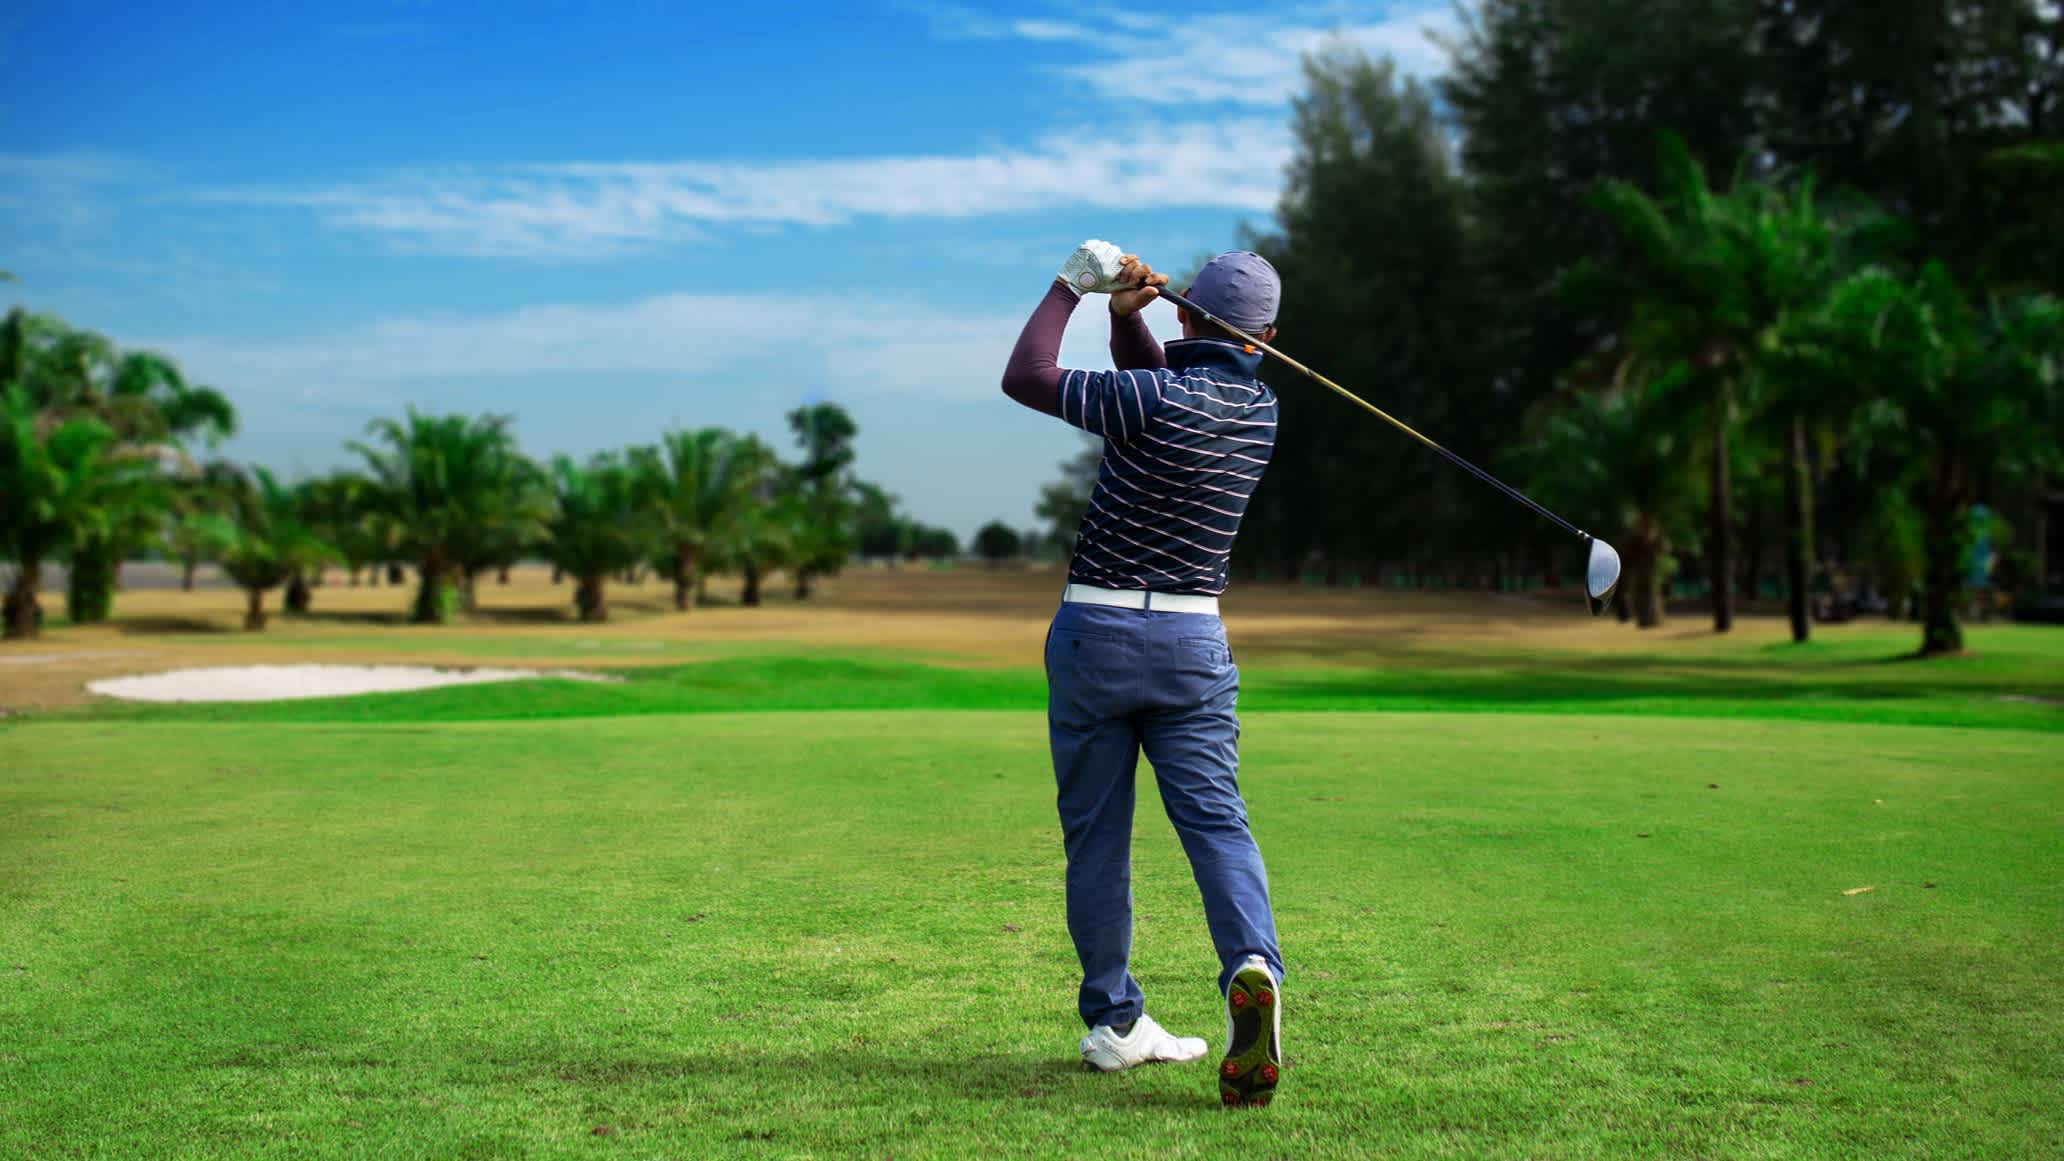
x: 1184, y: 446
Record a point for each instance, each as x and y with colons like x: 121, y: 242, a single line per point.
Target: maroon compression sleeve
x: 1033, y: 375
x: 1133, y: 346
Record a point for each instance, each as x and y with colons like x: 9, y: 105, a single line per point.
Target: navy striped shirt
x: 1184, y: 446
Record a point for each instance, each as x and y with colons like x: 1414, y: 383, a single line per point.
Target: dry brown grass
x: 967, y: 616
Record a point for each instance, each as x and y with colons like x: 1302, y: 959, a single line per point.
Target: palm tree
x: 92, y: 566
x: 1969, y: 392
x: 760, y: 541
x: 197, y: 494
x: 61, y: 481
x: 514, y: 529
x: 1721, y: 277
x: 757, y: 538
x: 158, y: 405
x: 265, y: 541
x: 1812, y: 393
x: 141, y: 396
x: 1807, y: 360
x: 601, y: 524
x: 444, y: 486
x: 1895, y: 548
x: 339, y: 508
x: 1620, y: 453
x: 820, y: 532
x: 699, y: 481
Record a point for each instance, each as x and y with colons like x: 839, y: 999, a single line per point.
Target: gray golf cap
x: 1240, y: 287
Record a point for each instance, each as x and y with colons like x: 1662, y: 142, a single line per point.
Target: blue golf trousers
x: 1120, y: 681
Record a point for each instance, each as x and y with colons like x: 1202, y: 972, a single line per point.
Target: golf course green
x: 1721, y: 901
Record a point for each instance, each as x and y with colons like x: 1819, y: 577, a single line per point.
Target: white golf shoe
x: 1106, y: 1051
x: 1254, y: 1036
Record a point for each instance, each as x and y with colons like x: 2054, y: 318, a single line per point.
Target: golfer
x: 1137, y: 656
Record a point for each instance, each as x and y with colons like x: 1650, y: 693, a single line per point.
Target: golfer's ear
x: 1267, y: 335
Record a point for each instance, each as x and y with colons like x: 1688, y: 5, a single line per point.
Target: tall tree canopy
x: 1378, y: 287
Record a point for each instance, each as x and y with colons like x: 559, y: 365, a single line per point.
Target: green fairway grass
x: 2018, y: 684
x: 839, y: 934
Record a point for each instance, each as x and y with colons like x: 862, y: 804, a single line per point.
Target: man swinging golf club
x: 1137, y: 659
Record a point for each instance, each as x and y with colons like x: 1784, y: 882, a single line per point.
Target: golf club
x: 1601, y: 565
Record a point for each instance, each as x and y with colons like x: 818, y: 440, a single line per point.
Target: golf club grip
x: 1508, y: 490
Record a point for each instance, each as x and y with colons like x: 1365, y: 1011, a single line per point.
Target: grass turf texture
x: 970, y: 639
x: 840, y: 934
x: 2018, y: 684
x: 493, y: 920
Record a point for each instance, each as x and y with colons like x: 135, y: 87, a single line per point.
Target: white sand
x: 280, y: 682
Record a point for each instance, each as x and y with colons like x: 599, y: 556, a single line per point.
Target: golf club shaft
x: 1378, y: 412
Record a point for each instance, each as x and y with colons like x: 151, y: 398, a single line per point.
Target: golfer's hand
x: 1094, y: 268
x: 1140, y: 281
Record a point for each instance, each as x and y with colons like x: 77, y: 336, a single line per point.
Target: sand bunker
x: 281, y: 682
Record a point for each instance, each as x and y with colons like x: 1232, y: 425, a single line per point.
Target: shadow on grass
x: 553, y: 614
x: 1559, y: 685
x: 528, y: 615
x: 525, y: 615
x: 1510, y: 677
x: 322, y: 616
x: 1779, y: 663
x: 144, y: 626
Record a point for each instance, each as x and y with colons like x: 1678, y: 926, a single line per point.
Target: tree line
x: 1763, y: 292
x: 98, y: 464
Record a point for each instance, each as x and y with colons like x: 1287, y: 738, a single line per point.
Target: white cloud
x: 922, y: 380
x: 1048, y: 30
x: 74, y: 168
x: 64, y: 193
x: 580, y: 210
x: 849, y: 344
x: 595, y: 210
x: 1248, y: 57
x: 1247, y: 63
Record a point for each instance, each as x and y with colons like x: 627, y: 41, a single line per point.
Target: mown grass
x: 792, y: 889
x: 2018, y: 686
x: 839, y: 935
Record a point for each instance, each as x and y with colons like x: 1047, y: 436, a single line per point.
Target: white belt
x: 1135, y: 599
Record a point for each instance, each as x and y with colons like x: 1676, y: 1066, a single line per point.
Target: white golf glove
x: 1093, y: 269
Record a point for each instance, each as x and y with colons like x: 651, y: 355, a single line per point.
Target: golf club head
x: 1601, y: 575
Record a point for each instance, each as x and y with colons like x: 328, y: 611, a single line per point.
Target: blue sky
x: 610, y: 219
